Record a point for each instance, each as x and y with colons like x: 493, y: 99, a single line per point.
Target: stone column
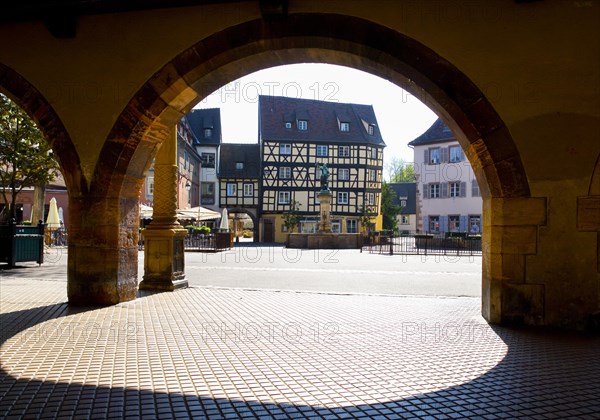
x: 325, y: 204
x: 164, y: 258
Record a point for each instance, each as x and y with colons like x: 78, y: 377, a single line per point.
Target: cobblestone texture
x: 226, y: 353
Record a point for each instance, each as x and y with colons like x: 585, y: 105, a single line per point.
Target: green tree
x: 291, y: 219
x: 25, y: 157
x: 365, y: 217
x: 400, y: 171
x: 389, y: 210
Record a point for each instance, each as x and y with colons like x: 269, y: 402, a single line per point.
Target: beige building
x: 448, y: 195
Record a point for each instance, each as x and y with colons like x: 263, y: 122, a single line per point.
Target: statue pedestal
x: 325, y: 204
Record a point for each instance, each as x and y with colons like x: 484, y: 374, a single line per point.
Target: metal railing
x: 450, y: 243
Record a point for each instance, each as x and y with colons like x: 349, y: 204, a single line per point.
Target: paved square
x: 207, y: 352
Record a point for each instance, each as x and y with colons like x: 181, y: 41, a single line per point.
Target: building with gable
x: 448, y: 196
x: 295, y: 135
x: 405, y: 196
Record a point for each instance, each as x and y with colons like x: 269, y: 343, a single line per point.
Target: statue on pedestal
x: 324, y: 176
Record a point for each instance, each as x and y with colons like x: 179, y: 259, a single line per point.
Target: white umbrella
x: 53, y: 221
x: 146, y: 211
x: 198, y: 213
x: 224, y: 225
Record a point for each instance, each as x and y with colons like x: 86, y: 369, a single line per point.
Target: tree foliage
x: 291, y: 219
x: 25, y: 157
x: 365, y: 217
x: 389, y: 210
x: 400, y: 171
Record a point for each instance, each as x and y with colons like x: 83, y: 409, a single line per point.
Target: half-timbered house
x: 295, y: 135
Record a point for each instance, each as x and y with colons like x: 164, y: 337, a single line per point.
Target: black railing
x: 450, y: 243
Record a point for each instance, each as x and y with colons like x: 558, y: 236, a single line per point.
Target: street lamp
x: 188, y: 185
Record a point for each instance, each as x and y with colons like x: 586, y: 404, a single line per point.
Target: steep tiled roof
x: 408, y: 190
x: 201, y: 119
x: 439, y: 132
x: 232, y: 153
x: 323, y: 119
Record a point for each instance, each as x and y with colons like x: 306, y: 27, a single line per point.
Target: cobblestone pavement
x: 233, y: 353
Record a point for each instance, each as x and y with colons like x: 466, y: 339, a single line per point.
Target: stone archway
x: 107, y: 232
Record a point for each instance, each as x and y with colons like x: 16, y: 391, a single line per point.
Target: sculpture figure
x: 324, y: 176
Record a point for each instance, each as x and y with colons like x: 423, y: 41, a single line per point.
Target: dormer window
x: 371, y: 129
x: 208, y: 132
x: 239, y: 166
x: 344, y: 126
x: 288, y: 124
x: 302, y: 125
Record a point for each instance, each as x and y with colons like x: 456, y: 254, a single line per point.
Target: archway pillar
x: 103, y: 251
x: 510, y: 234
x: 164, y: 257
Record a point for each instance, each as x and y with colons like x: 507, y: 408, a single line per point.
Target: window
x: 345, y: 126
x: 336, y: 226
x: 372, y: 175
x: 454, y: 223
x: 351, y: 226
x: 434, y: 190
x: 308, y: 226
x: 248, y: 190
x: 435, y: 156
x: 150, y: 185
x: 207, y: 193
x: 239, y: 166
x: 208, y: 132
x: 434, y: 223
x: 284, y: 228
x: 285, y: 172
x: 474, y: 224
x: 371, y: 129
x: 343, y: 174
x: 370, y: 199
x: 455, y: 154
x: 475, y: 189
x: 208, y: 160
x: 322, y: 150
x: 284, y: 197
x: 343, y: 151
x: 285, y: 149
x: 455, y: 189
x: 404, y: 220
x: 231, y: 190
x: 373, y: 152
x: 302, y: 125
x: 288, y: 124
x: 402, y: 203
x: 342, y: 197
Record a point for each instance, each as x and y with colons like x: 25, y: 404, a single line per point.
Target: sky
x: 401, y: 116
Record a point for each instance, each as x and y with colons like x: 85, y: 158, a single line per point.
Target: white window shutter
x: 425, y: 190
x: 444, y: 152
x: 426, y: 156
x: 463, y: 189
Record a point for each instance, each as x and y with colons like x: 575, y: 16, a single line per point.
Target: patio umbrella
x: 224, y: 225
x: 198, y: 213
x: 53, y: 221
x: 146, y: 211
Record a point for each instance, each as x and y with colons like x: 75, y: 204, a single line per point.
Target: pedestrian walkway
x: 231, y: 353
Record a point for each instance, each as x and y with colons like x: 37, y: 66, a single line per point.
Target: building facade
x: 406, y: 198
x: 239, y: 181
x: 205, y: 124
x: 297, y: 134
x: 448, y: 195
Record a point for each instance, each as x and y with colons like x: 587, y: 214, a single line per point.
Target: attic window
x: 239, y: 166
x: 288, y: 124
x: 344, y: 126
x: 208, y: 132
x: 302, y: 125
x: 371, y: 129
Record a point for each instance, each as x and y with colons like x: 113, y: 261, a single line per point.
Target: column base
x: 164, y: 258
